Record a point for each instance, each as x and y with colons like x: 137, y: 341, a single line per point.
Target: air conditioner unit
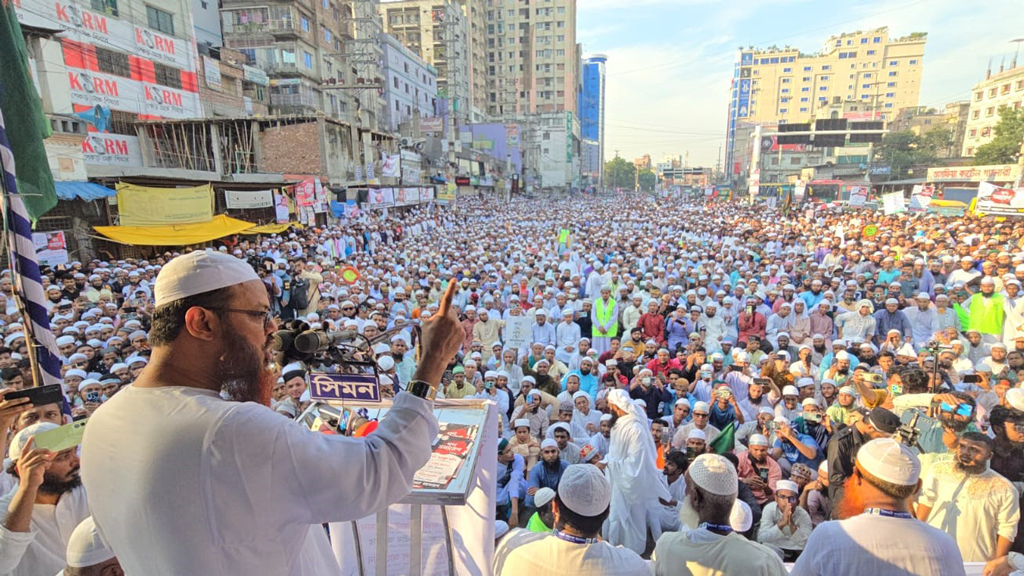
x: 406, y: 142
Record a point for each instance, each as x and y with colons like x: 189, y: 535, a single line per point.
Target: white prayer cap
x: 1015, y: 398
x: 741, y: 518
x: 805, y: 382
x: 713, y: 473
x: 696, y: 434
x: 548, y: 443
x: 521, y: 423
x: 787, y: 485
x: 683, y: 402
x: 701, y: 406
x: 619, y: 398
x: 842, y: 355
x: 891, y: 301
x: 501, y: 527
x: 22, y: 437
x: 766, y: 410
x: 386, y: 363
x: 559, y: 426
x: 585, y: 490
x: 580, y: 394
x: 65, y: 340
x: 757, y: 440
x: 606, y: 417
x: 543, y: 496
x: 529, y: 379
x: 890, y: 461
x: 86, y: 547
x: 790, y: 390
x: 76, y: 372
x: 808, y: 402
x: 198, y: 272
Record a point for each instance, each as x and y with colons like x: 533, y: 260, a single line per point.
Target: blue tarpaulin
x: 87, y: 191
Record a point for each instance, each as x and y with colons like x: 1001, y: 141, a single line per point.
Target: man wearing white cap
x: 924, y: 321
x: 974, y: 504
x: 42, y: 512
x: 986, y: 312
x: 880, y: 536
x: 713, y: 548
x: 784, y: 524
x: 633, y: 471
x: 210, y: 334
x: 701, y: 421
x: 574, y: 548
x: 88, y: 554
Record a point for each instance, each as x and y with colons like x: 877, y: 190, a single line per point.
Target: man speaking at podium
x: 183, y: 482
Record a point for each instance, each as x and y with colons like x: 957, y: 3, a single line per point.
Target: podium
x: 446, y: 525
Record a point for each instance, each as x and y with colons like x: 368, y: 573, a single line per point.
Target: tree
x: 647, y: 180
x: 1004, y: 147
x: 902, y: 150
x: 620, y: 173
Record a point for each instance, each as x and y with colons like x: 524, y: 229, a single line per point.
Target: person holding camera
x: 759, y: 471
x: 843, y: 447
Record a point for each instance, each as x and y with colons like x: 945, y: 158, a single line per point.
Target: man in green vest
x: 985, y: 312
x: 543, y: 520
x: 605, y: 318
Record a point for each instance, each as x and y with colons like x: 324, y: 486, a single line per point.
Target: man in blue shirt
x: 891, y: 318
x: 791, y: 447
x: 546, y: 473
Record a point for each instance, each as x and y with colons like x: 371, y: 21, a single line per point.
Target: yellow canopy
x: 175, y: 234
x: 272, y: 228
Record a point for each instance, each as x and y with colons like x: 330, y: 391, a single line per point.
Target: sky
x: 670, y: 61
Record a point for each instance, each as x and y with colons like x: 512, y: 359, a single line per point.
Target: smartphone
x: 972, y: 378
x: 39, y: 396
x: 872, y: 378
x: 62, y: 438
x: 763, y: 382
x: 763, y: 473
x: 92, y: 396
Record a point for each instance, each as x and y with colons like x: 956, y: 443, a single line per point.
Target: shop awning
x: 87, y: 191
x: 177, y: 234
x: 272, y: 228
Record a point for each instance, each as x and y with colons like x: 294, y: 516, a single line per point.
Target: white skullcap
x: 890, y: 461
x: 619, y: 398
x: 580, y: 394
x: 198, y: 272
x: 842, y: 355
x: 543, y: 496
x: 606, y: 417
x: 808, y: 402
x: 787, y: 485
x: 548, y: 443
x: 22, y: 437
x: 65, y: 340
x: 385, y: 363
x: 1015, y: 398
x: 501, y: 527
x: 696, y: 434
x: 715, y: 474
x: 757, y: 440
x: 790, y: 390
x: 76, y: 372
x: 741, y: 518
x: 683, y: 402
x: 701, y: 406
x: 86, y: 547
x: 559, y: 426
x: 521, y: 423
x: 585, y: 490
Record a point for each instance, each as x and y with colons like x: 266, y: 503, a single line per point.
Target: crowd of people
x: 704, y: 388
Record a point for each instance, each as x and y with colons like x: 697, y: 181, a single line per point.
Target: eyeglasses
x: 262, y: 315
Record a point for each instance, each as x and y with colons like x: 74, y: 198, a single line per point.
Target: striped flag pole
x: 27, y: 280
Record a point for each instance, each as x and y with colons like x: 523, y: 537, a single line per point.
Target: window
x: 307, y: 60
x: 305, y: 24
x: 867, y: 75
x: 807, y: 68
x: 785, y: 80
x: 970, y: 151
x: 327, y: 3
x: 160, y: 20
x: 327, y: 35
x: 826, y: 67
x: 877, y: 39
x: 108, y: 7
x: 990, y: 111
x: 167, y: 76
x: 803, y: 109
x: 986, y: 131
x: 992, y: 93
x: 111, y: 62
x: 891, y: 85
x: 805, y: 89
x: 396, y: 78
x: 973, y: 133
x: 894, y: 62
x: 805, y: 99
x: 871, y: 52
x: 782, y: 110
x: 888, y: 104
x: 1005, y: 89
x: 976, y: 114
x: 824, y: 78
x: 890, y: 94
x: 1019, y: 85
x: 774, y: 61
x: 805, y: 79
x: 863, y: 40
x: 893, y: 73
x: 785, y: 70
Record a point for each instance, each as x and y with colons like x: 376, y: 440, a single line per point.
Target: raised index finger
x: 446, y: 300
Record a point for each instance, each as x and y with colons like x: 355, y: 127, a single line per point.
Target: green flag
x: 726, y: 440
x: 22, y: 110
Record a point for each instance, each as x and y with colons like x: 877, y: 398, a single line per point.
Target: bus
x: 774, y: 190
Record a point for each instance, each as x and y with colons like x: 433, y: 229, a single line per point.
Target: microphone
x: 312, y: 341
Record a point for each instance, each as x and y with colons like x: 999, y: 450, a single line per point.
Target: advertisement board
x: 111, y: 150
x: 999, y: 200
x: 381, y: 197
x: 51, y: 247
x: 247, y: 199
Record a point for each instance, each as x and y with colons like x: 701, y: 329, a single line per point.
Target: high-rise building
x: 532, y: 57
x: 785, y: 85
x: 475, y: 11
x: 410, y: 84
x: 438, y: 32
x: 591, y: 114
x: 1006, y: 88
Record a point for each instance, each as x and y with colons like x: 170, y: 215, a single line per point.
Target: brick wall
x: 292, y: 149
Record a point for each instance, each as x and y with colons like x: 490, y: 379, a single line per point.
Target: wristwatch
x: 422, y: 389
